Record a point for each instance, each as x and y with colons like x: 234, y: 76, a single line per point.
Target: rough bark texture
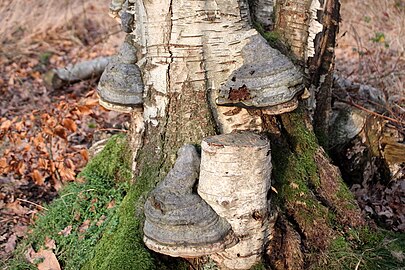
x: 234, y: 181
x: 309, y: 28
x: 188, y: 50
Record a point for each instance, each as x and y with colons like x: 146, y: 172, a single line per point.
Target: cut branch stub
x: 270, y: 82
x: 178, y: 222
x: 234, y: 181
x: 121, y: 86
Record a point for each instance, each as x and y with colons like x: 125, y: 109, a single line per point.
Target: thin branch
x: 113, y: 129
x: 29, y: 202
x: 371, y: 112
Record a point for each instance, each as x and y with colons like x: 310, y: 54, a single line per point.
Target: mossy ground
x: 122, y: 247
x: 99, y: 203
x: 365, y: 249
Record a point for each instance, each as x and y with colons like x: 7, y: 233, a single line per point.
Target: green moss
x: 15, y: 264
x: 346, y: 195
x: 294, y: 168
x: 365, y: 249
x: 112, y: 164
x: 272, y: 37
x: 78, y: 218
x: 122, y: 246
x: 258, y: 266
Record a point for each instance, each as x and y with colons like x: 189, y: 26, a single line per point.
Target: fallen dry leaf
x: 85, y: 154
x: 3, y: 162
x: 20, y: 230
x: 85, y: 226
x: 84, y: 110
x: 294, y: 185
x: 50, y: 243
x: 38, y: 178
x: 11, y: 243
x: 66, y: 231
x: 111, y: 204
x: 101, y: 221
x: 16, y: 208
x: 61, y: 132
x: 48, y: 259
x: 5, y: 125
x: 69, y: 124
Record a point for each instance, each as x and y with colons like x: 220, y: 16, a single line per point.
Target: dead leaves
x: 66, y: 231
x: 69, y: 124
x: 45, y: 259
x: 10, y: 231
x: 10, y: 244
x: 5, y: 125
x: 45, y: 142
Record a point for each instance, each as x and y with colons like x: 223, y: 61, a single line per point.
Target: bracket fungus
x: 229, y: 217
x: 271, y: 83
x: 178, y: 222
x: 121, y: 10
x: 121, y: 87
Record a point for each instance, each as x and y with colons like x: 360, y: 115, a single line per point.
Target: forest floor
x: 371, y: 46
x: 45, y: 134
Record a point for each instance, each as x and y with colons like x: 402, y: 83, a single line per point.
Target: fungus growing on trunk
x: 231, y: 218
x: 178, y: 222
x: 271, y: 83
x: 121, y: 86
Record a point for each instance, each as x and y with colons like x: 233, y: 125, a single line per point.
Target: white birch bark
x: 234, y: 181
x: 193, y: 45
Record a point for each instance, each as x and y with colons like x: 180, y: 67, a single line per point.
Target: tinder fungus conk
x: 270, y: 82
x: 121, y: 87
x: 178, y: 222
x: 235, y: 180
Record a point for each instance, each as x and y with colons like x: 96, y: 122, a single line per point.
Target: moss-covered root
x: 315, y: 202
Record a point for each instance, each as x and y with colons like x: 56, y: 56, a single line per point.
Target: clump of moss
x: 122, y: 247
x: 272, y: 37
x: 78, y: 218
x: 258, y: 266
x: 293, y: 161
x: 365, y: 249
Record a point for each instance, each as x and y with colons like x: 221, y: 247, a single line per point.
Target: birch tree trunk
x: 188, y: 49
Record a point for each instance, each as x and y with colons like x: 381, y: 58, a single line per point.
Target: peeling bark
x: 310, y: 28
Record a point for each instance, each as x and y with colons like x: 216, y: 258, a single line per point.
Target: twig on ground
x: 29, y: 202
x: 113, y: 129
x: 369, y: 111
